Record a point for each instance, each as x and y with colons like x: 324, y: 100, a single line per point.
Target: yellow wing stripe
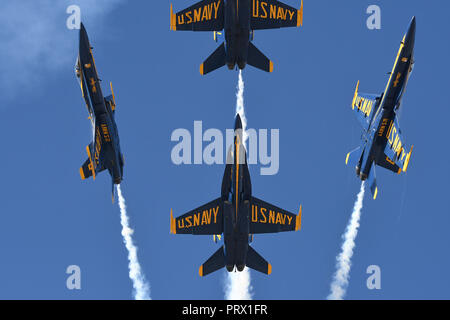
x: 82, y: 174
x: 173, y: 226
x: 300, y: 16
x: 408, y: 157
x: 355, y: 96
x: 173, y: 19
x: 298, y: 220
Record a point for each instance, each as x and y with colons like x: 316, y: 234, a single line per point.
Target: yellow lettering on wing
x: 180, y: 19
x: 255, y: 8
x: 196, y: 219
x: 263, y: 213
x: 197, y: 14
x: 215, y: 212
x: 271, y: 217
x: 264, y: 10
x: 188, y: 222
x: 189, y: 17
x: 206, y: 217
x: 216, y: 8
x: 289, y: 219
x: 273, y: 11
x: 259, y: 215
x: 200, y: 14
x: 254, y: 213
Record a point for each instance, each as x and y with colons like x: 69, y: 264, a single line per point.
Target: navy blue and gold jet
x: 238, y: 19
x: 382, y: 143
x: 237, y: 215
x: 104, y: 151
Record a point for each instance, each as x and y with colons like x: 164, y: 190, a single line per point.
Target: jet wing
x: 205, y: 220
x: 395, y: 158
x: 267, y: 218
x: 272, y: 14
x: 206, y: 15
x: 364, y: 105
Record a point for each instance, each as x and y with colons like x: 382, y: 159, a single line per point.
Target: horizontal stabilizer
x: 216, y: 262
x: 215, y: 61
x: 353, y: 157
x: 256, y: 262
x: 85, y: 170
x: 257, y: 59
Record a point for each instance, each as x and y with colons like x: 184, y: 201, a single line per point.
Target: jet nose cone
x: 412, y: 25
x: 83, y: 34
x: 82, y: 30
x: 410, y: 35
x: 238, y: 122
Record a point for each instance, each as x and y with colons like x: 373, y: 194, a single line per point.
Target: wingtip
x: 298, y: 220
x: 271, y: 67
x: 408, y: 157
x: 346, y: 159
x: 173, y: 229
x: 269, y: 269
x: 300, y: 16
x: 200, y: 271
x: 82, y: 174
x: 355, y: 95
x: 173, y: 24
x: 202, y: 69
x: 375, y: 193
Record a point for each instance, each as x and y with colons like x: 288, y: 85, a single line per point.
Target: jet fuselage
x: 237, y: 32
x: 236, y: 194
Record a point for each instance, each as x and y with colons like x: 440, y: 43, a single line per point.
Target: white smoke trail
x: 238, y: 285
x: 140, y: 285
x: 240, y: 106
x: 340, y: 281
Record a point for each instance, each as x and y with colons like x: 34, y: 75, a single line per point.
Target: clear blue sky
x: 51, y: 219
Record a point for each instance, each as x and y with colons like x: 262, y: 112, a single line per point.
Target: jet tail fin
x: 214, y: 61
x: 216, y: 262
x: 257, y: 59
x: 258, y: 263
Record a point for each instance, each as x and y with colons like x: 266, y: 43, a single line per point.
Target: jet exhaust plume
x: 240, y: 105
x: 341, y: 277
x: 237, y: 286
x: 140, y: 285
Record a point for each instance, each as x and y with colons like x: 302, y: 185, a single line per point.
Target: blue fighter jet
x: 382, y: 143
